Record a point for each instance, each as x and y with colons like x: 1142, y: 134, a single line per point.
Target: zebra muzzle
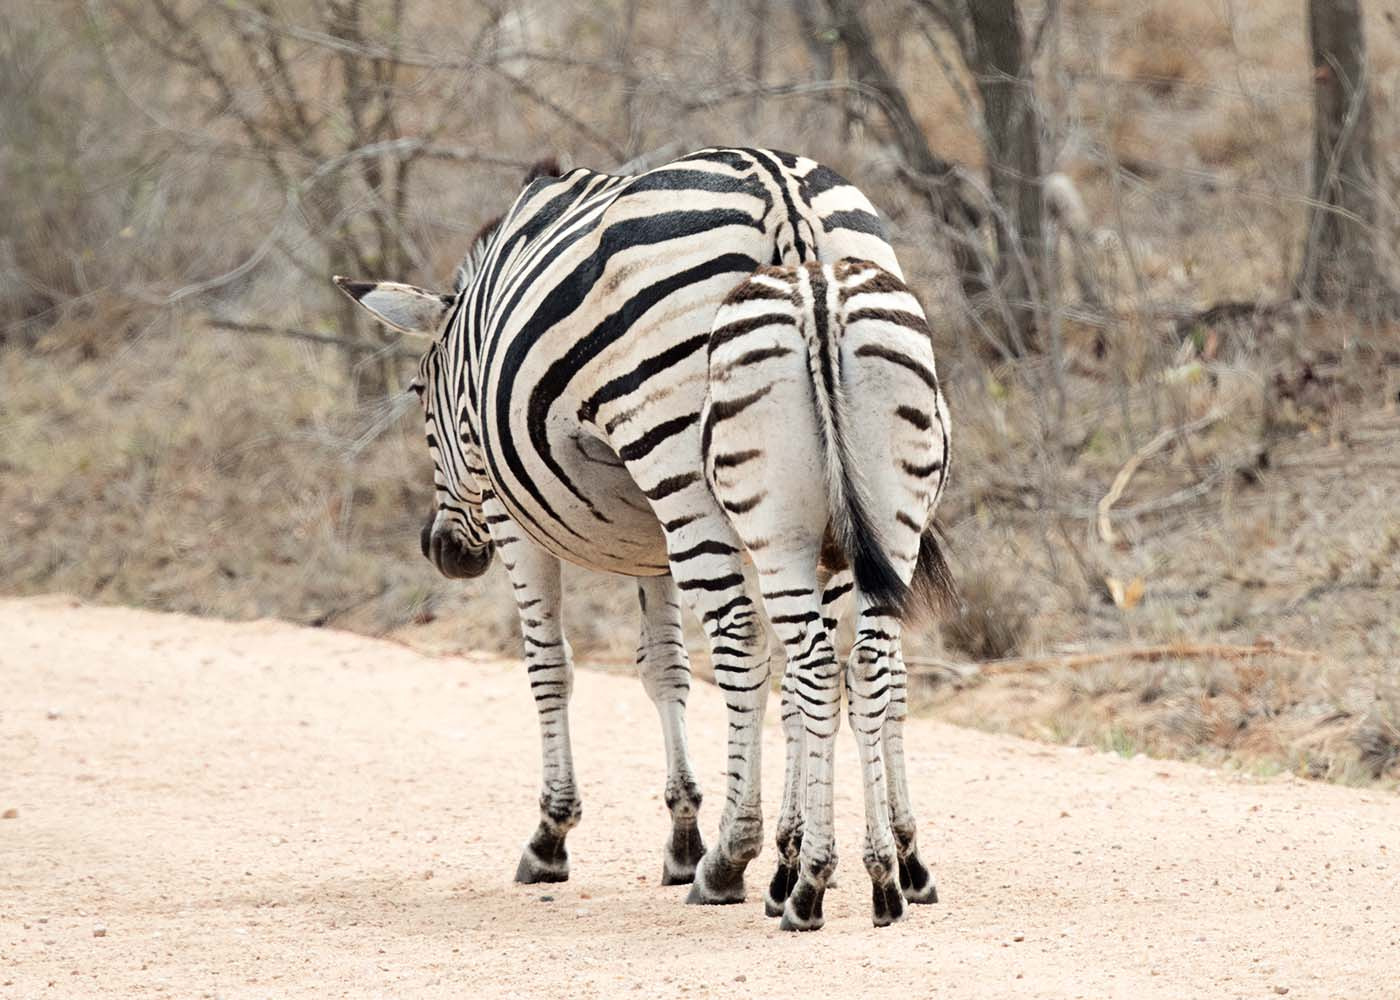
x: 452, y: 558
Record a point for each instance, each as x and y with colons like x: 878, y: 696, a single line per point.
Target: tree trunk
x: 1001, y: 66
x: 1340, y: 267
x: 935, y: 176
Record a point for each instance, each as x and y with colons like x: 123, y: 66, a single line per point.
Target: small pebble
x: 1019, y: 937
x: 54, y: 713
x: 11, y: 813
x: 99, y: 930
x: 546, y: 899
x: 741, y: 978
x: 1281, y: 990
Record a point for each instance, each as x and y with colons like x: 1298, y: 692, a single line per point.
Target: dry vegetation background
x: 189, y: 419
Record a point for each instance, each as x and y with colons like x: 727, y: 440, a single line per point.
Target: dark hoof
x: 803, y: 909
x: 533, y: 869
x: 889, y: 904
x: 683, y: 853
x: 784, y: 879
x: 544, y: 859
x: 916, y: 881
x: 718, y: 881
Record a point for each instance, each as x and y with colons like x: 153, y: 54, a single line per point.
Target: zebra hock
x: 841, y: 358
x: 562, y: 397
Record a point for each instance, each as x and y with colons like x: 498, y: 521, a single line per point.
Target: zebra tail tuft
x: 933, y: 591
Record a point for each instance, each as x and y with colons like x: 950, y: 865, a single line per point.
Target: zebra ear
x: 409, y: 310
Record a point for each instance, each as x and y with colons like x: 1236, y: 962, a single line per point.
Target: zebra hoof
x: 803, y: 909
x: 718, y: 881
x: 889, y: 903
x: 784, y: 879
x: 916, y: 880
x: 683, y: 853
x: 550, y: 864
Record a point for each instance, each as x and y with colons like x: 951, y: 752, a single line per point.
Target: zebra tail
x: 934, y: 591
x: 852, y: 526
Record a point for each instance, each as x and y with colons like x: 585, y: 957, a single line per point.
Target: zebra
x: 840, y: 358
x: 562, y: 396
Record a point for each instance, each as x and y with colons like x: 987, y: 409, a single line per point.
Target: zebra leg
x: 665, y: 670
x: 789, y: 835
x: 914, y: 876
x: 709, y: 571
x: 868, y: 682
x: 534, y: 575
x: 795, y: 612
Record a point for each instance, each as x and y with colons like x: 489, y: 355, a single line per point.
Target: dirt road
x: 220, y: 810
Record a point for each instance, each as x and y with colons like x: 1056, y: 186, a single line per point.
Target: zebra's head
x: 455, y: 537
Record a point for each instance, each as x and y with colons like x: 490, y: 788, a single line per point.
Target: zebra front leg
x: 869, y: 673
x: 534, y: 576
x: 914, y: 876
x: 665, y: 669
x: 789, y: 834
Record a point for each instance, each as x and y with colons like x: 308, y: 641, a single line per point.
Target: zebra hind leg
x: 665, y: 671
x: 789, y: 834
x: 868, y: 682
x: 915, y: 879
x: 796, y: 617
x: 534, y: 576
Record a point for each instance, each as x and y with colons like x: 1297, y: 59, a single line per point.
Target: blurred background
x: 1157, y: 241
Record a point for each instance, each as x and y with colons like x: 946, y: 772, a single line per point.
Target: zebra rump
x: 856, y: 537
x: 932, y: 590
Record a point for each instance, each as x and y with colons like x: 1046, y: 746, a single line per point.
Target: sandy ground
x: 268, y: 811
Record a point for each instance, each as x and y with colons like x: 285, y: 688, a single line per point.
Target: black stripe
x: 745, y: 505
x: 858, y: 220
x: 723, y: 334
x: 649, y: 441
x: 671, y: 484
x: 713, y: 583
x: 920, y: 471
x: 623, y: 385
x: 709, y: 547
x: 918, y: 418
x: 896, y: 316
x: 895, y: 358
x: 733, y: 458
x: 755, y: 356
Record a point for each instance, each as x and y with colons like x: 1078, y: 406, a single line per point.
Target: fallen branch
x: 1125, y: 474
x: 1078, y: 661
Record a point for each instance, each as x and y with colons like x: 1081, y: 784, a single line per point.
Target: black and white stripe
x: 563, y: 401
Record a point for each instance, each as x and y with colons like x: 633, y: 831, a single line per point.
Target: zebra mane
x: 471, y: 263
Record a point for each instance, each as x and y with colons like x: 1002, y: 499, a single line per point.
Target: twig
x: 363, y: 347
x: 1149, y: 654
x: 1125, y: 474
